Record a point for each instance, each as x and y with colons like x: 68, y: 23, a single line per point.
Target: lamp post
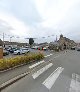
x: 3, y: 39
x: 11, y: 38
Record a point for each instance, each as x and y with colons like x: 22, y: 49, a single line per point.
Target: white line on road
x: 48, y: 55
x: 34, y: 65
x: 35, y: 75
x: 52, y: 78
x: 75, y: 83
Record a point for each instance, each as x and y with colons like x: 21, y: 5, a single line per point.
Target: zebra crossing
x: 50, y: 80
x: 42, y: 70
x: 36, y: 64
x: 75, y: 83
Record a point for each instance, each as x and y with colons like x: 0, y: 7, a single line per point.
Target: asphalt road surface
x: 61, y: 74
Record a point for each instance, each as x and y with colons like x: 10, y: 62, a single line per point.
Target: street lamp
x: 11, y: 38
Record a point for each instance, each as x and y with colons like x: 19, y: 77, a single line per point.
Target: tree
x: 31, y: 41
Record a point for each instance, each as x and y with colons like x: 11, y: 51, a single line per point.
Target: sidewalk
x: 5, y: 76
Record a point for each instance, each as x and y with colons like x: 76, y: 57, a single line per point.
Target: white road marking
x: 34, y: 65
x: 52, y: 78
x: 75, y: 83
x: 35, y: 75
x: 48, y: 55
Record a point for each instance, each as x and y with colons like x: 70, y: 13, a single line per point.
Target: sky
x: 39, y: 18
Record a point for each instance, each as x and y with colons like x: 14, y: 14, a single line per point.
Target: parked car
x: 11, y: 50
x: 7, y: 49
x: 5, y: 52
x: 78, y: 49
x: 44, y: 48
x: 17, y: 52
x: 25, y: 50
x: 35, y: 47
x: 21, y: 51
x: 73, y: 48
x: 27, y: 47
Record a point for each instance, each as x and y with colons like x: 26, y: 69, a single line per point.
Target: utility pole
x: 56, y: 38
x: 10, y: 39
x: 3, y: 39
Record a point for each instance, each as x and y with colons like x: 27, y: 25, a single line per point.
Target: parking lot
x: 31, y: 50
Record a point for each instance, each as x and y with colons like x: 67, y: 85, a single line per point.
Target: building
x: 14, y: 44
x: 43, y: 44
x: 53, y: 45
x: 62, y: 43
x: 65, y: 43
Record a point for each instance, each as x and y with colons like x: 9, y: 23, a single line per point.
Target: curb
x: 8, y: 83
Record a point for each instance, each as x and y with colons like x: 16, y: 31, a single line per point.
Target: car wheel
x: 28, y: 52
x: 18, y: 53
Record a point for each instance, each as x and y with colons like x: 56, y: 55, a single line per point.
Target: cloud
x: 61, y: 15
x: 24, y: 10
x: 13, y: 25
x: 38, y: 18
x: 53, y: 11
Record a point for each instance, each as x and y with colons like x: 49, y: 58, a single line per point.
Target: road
x: 61, y: 74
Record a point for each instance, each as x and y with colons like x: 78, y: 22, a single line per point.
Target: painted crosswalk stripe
x: 48, y: 55
x: 75, y: 83
x: 34, y: 65
x: 52, y: 78
x: 35, y: 75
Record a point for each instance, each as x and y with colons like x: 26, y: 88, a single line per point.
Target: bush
x: 11, y: 62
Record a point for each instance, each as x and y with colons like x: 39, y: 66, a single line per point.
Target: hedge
x: 12, y: 62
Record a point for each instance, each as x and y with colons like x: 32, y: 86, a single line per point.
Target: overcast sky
x: 40, y: 18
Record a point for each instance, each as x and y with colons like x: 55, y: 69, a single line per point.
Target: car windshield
x: 39, y: 45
